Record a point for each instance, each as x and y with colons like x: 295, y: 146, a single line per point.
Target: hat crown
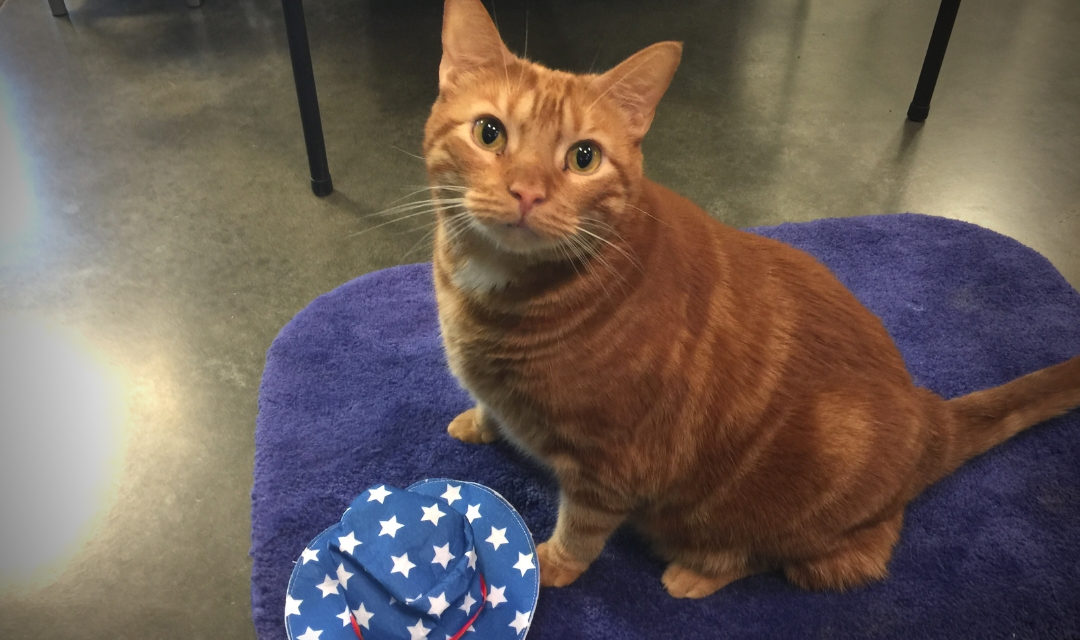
x: 414, y: 546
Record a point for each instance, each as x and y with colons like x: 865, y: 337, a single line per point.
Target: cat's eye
x: 583, y: 157
x: 489, y: 133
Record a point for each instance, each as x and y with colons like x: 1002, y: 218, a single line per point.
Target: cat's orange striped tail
x: 986, y: 418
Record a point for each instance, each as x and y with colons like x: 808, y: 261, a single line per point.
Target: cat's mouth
x: 513, y: 236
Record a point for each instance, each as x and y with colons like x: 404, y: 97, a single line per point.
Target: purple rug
x: 356, y: 391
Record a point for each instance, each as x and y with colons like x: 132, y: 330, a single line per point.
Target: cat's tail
x: 991, y: 416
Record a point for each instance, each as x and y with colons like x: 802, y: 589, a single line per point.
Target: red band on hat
x: 456, y: 636
x: 483, y: 600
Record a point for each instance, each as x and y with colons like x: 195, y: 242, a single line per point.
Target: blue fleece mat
x: 356, y: 391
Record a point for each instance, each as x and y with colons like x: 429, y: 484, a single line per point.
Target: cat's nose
x: 527, y: 197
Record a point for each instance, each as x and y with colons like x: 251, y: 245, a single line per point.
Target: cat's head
x: 536, y: 161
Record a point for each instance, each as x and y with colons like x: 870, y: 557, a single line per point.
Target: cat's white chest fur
x: 481, y: 276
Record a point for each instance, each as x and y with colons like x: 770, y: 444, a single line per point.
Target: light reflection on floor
x: 18, y: 209
x: 61, y: 406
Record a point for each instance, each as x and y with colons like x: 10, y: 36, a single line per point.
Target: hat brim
x: 506, y: 553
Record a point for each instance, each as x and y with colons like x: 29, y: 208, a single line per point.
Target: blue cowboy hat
x: 433, y: 561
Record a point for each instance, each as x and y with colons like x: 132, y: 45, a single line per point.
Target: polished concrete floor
x: 157, y: 227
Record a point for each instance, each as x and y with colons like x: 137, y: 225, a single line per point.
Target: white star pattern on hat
x: 401, y: 565
x: 524, y: 563
x: 468, y: 603
x: 521, y: 621
x: 496, y: 596
x: 310, y: 634
x: 432, y: 514
x: 497, y: 537
x: 328, y: 587
x: 418, y: 631
x: 310, y: 555
x: 343, y: 575
x: 378, y: 494
x: 473, y: 513
x: 348, y: 543
x: 390, y: 527
x: 438, y: 604
x: 452, y: 495
x: 346, y: 617
x: 471, y: 555
x: 292, y: 606
x: 443, y: 555
x: 363, y: 616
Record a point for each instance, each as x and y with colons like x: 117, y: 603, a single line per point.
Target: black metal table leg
x: 935, y: 53
x: 299, y: 51
x: 58, y: 8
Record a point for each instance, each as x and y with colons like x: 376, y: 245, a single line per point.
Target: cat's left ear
x: 470, y: 40
x: 639, y: 82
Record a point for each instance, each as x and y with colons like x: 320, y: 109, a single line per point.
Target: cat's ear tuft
x: 470, y: 40
x: 639, y: 82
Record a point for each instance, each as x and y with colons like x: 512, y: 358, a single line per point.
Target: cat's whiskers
x: 433, y: 200
x: 387, y: 223
x: 633, y: 260
x: 660, y: 220
x: 408, y: 153
x: 568, y: 254
x: 454, y: 227
x: 584, y: 254
x: 616, y: 276
x: 431, y: 203
x: 564, y: 253
x: 457, y: 224
x: 589, y: 253
x: 412, y: 210
x: 596, y: 242
x: 429, y: 235
x: 525, y: 53
x: 605, y: 227
x: 596, y: 56
x: 422, y: 189
x: 452, y: 187
x: 410, y: 194
x: 506, y: 70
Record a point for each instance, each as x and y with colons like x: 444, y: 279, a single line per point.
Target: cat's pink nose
x: 527, y: 198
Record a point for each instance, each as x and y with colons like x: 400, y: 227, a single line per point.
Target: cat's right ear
x: 470, y: 40
x: 638, y: 83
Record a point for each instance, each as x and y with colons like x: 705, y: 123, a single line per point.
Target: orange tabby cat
x: 720, y: 391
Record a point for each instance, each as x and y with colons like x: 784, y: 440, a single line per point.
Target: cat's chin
x: 517, y: 239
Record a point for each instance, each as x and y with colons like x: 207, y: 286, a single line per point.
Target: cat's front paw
x: 682, y: 582
x: 557, y: 568
x: 467, y: 427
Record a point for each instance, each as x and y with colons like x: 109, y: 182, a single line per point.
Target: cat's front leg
x: 583, y: 527
x: 475, y: 426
